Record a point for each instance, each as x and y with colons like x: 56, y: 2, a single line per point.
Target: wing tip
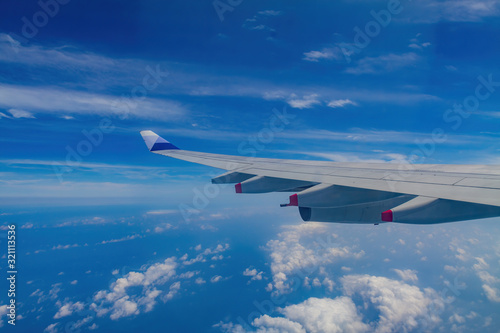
x: 154, y: 142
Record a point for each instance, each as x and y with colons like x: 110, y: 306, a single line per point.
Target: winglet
x: 156, y: 142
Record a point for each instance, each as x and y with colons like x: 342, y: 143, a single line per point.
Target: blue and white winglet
x: 156, y: 142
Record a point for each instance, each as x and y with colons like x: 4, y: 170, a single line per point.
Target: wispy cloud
x: 416, y: 44
x: 467, y: 10
x: 384, y: 63
x: 89, y: 78
x: 431, y: 11
x: 255, y: 23
x: 61, y: 101
x: 340, y: 103
x: 16, y: 113
x: 123, y: 239
x: 270, y: 12
x: 324, y: 54
x: 306, y: 102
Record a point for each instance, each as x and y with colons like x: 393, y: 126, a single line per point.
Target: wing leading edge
x: 357, y: 192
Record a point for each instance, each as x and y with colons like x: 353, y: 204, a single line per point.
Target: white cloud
x: 385, y: 63
x: 162, y: 212
x: 402, y: 307
x: 481, y: 264
x: 163, y: 227
x: 121, y: 300
x: 16, y: 113
x: 218, y: 249
x: 269, y: 324
x: 303, y: 250
x: 491, y: 291
x: 407, y: 274
x: 456, y: 318
x: 80, y: 323
x: 487, y: 277
x: 3, y: 312
x: 324, y: 54
x: 314, y: 315
x: 306, y: 102
x: 216, y: 278
x: 3, y: 115
x: 326, y: 315
x: 450, y: 269
x: 55, y: 290
x: 256, y: 275
x: 270, y: 12
x: 123, y: 308
x: 468, y: 10
x: 430, y: 11
x: 57, y: 101
x: 209, y: 251
x: 64, y: 247
x: 340, y: 103
x: 52, y: 328
x: 95, y: 75
x: 172, y: 292
x: 200, y: 281
x: 67, y: 309
x: 328, y: 284
x: 254, y: 23
x: 123, y: 239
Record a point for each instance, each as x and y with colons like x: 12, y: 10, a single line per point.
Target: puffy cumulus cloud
x: 52, y: 328
x: 67, y: 309
x: 407, y: 274
x: 200, y: 281
x: 326, y: 315
x: 314, y: 315
x: 402, y: 307
x: 256, y: 275
x: 397, y: 306
x: 303, y: 250
x: 121, y: 300
x: 277, y: 325
x: 174, y: 290
x: 491, y: 291
x: 202, y: 257
x: 123, y: 307
x: 481, y: 264
x: 81, y: 323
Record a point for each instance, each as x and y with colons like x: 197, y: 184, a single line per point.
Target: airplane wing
x: 358, y: 192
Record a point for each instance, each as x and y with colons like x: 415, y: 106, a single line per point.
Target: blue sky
x: 359, y: 81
